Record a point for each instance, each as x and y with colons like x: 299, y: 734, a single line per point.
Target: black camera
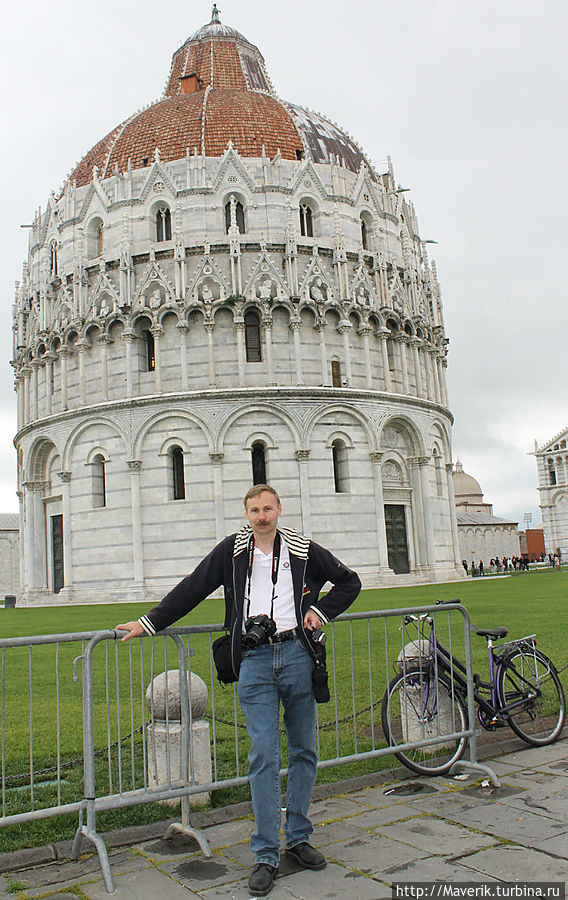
x: 259, y: 630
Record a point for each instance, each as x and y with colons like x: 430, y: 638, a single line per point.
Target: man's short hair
x: 257, y: 489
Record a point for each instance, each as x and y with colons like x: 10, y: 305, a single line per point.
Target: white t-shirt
x: 261, y: 589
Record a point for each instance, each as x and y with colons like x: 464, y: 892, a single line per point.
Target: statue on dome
x: 215, y: 20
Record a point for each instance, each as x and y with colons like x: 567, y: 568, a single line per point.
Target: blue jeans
x: 270, y: 674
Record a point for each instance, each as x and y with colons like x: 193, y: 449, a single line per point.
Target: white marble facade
x: 552, y: 467
x: 131, y: 345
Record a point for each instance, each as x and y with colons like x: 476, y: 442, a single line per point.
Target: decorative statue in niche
x: 317, y: 290
x: 155, y: 299
x: 206, y: 294
x: 104, y: 307
x: 361, y: 296
x: 265, y: 289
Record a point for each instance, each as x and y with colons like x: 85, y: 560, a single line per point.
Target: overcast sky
x: 468, y: 99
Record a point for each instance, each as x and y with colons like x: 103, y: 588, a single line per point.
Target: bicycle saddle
x: 492, y: 632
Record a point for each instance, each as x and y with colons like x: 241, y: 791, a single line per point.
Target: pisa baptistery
x: 225, y: 291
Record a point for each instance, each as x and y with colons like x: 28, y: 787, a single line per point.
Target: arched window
x: 53, y: 259
x: 306, y: 221
x: 340, y: 469
x: 252, y: 336
x: 100, y: 239
x: 99, y: 481
x: 150, y: 351
x: 335, y: 373
x: 178, y: 474
x: 163, y: 224
x: 258, y: 455
x: 551, y: 473
x: 239, y: 216
x: 364, y: 235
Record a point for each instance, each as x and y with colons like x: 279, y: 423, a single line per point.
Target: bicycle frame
x: 494, y: 709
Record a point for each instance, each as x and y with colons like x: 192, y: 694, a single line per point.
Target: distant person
x: 481, y: 572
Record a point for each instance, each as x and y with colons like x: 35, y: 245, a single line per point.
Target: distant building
x: 481, y: 534
x: 552, y: 467
x: 532, y: 543
x: 9, y: 554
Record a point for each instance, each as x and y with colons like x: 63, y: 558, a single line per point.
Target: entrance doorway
x: 397, y: 541
x: 57, y: 553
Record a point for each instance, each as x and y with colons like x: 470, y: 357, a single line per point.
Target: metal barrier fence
x: 129, y: 719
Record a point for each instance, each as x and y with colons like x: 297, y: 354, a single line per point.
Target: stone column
x: 63, y: 356
x: 383, y: 336
x: 104, y: 341
x: 344, y: 328
x: 157, y: 331
x: 417, y: 372
x: 34, y: 385
x: 82, y: 348
x: 183, y: 329
x: 34, y: 537
x: 50, y: 358
x: 437, y: 394
x: 137, y: 542
x: 267, y: 327
x: 65, y: 478
x: 25, y: 372
x: 365, y: 331
x: 422, y: 464
x: 129, y: 337
x: 383, y: 556
x: 325, y: 375
x: 217, y: 464
x: 452, y: 514
x: 443, y: 383
x: 20, y: 389
x: 303, y: 458
x: 209, y: 329
x: 241, y: 350
x: 401, y: 341
x: 295, y: 326
x: 427, y: 380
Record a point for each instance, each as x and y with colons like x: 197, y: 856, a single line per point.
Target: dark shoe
x: 261, y: 879
x: 307, y: 856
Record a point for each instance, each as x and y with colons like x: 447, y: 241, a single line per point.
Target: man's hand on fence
x: 134, y: 629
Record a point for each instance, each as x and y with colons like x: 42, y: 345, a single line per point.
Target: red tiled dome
x: 218, y: 91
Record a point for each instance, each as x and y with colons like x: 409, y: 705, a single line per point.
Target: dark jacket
x: 311, y: 566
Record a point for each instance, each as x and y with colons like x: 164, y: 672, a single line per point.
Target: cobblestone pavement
x: 374, y: 831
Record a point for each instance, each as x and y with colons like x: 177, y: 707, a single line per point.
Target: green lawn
x: 525, y: 603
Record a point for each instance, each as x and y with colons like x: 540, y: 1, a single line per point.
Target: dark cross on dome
x: 215, y: 15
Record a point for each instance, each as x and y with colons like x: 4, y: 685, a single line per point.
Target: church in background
x: 552, y: 468
x: 482, y: 535
x: 227, y: 291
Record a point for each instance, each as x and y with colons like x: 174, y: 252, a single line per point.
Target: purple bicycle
x: 426, y: 701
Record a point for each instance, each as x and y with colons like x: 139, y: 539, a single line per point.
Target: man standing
x: 273, y: 575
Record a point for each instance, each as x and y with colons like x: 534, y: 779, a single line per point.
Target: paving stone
x: 554, y: 807
x: 372, y: 853
x: 344, y: 829
x: 377, y: 798
x: 432, y: 868
x: 57, y: 876
x: 437, y: 836
x: 517, y: 864
x: 537, y: 757
x: 500, y: 820
x: 334, y: 808
x: 148, y: 884
x: 558, y: 845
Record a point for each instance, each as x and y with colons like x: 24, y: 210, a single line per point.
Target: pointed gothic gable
x: 307, y: 179
x: 561, y: 436
x: 365, y: 185
x: 103, y: 285
x: 94, y: 201
x: 362, y: 289
x: 160, y: 181
x: 316, y: 285
x: 208, y: 274
x: 257, y: 287
x: 232, y: 165
x: 154, y: 274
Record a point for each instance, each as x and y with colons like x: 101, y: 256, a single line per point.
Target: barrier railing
x: 121, y: 703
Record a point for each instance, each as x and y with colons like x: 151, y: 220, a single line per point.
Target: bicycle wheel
x: 530, y: 688
x: 417, y: 706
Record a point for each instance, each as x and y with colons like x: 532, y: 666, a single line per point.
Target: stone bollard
x: 415, y: 726
x: 166, y: 731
